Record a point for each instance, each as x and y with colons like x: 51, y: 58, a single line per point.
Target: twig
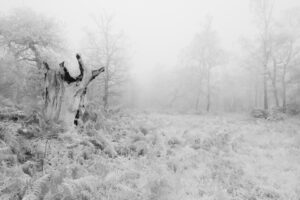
x: 45, y: 154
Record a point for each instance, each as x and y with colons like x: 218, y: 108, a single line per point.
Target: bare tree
x: 264, y: 11
x: 207, y: 54
x: 28, y: 38
x: 286, y: 50
x: 273, y: 77
x: 252, y: 63
x: 106, y: 47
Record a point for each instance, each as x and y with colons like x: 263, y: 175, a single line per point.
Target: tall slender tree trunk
x: 173, y: 99
x: 198, y: 98
x: 256, y: 94
x: 106, y: 89
x: 283, y: 89
x: 267, y: 10
x: 265, y: 69
x: 199, y: 91
x: 208, y: 91
x: 107, y: 66
x: 274, y: 84
x: 284, y: 97
x: 266, y: 105
x: 276, y: 96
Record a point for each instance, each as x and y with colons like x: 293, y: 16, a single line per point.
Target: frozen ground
x: 232, y: 157
x: 158, y: 156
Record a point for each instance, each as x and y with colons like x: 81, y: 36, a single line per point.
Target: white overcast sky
x: 157, y: 30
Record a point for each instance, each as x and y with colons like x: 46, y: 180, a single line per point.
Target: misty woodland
x: 148, y: 105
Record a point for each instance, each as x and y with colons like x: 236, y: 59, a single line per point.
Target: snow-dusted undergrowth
x: 156, y: 156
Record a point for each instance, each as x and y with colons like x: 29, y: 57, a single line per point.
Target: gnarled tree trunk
x: 64, y: 95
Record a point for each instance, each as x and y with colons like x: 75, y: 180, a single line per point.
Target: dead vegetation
x: 138, y: 156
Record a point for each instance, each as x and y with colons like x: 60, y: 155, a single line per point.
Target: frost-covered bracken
x: 149, y: 100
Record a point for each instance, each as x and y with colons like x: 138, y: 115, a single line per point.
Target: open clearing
x: 159, y: 156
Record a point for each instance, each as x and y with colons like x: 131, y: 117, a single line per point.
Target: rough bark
x: 53, y: 93
x: 64, y: 95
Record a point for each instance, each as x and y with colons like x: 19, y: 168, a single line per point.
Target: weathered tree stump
x: 64, y: 95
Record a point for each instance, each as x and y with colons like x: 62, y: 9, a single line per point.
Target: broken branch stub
x: 64, y: 95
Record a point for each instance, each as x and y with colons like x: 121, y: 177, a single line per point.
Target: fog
x: 149, y: 99
x: 156, y: 36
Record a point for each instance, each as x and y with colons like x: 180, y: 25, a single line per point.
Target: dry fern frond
x: 14, y: 186
x: 99, y: 168
x: 7, y: 135
x: 7, y: 156
x: 76, y: 171
x: 75, y: 189
x: 123, y: 192
x: 38, y: 189
x: 102, y: 143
